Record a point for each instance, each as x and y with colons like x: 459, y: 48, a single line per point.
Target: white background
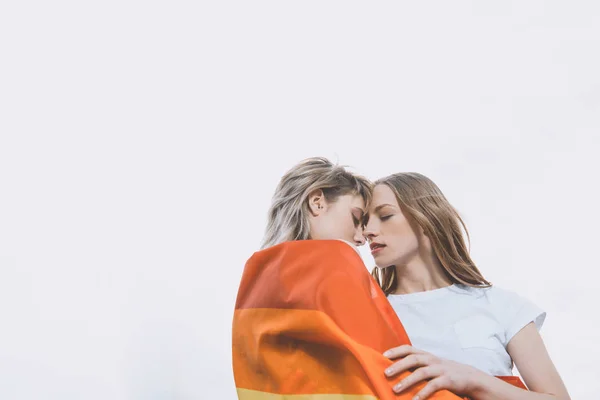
x: 140, y: 144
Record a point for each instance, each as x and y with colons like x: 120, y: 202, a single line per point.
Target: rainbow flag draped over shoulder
x: 310, y: 323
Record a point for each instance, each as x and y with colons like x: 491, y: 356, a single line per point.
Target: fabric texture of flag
x: 310, y: 323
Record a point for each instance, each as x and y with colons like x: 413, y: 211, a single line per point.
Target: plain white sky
x: 140, y: 144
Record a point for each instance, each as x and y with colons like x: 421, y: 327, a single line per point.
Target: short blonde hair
x: 288, y: 214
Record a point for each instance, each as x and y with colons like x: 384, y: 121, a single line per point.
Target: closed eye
x: 364, y: 220
x: 385, y: 217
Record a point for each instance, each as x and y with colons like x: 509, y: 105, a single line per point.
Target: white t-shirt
x: 467, y: 325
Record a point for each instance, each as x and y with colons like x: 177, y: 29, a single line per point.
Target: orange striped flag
x: 310, y: 323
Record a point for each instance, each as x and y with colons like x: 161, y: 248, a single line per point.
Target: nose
x: 369, y: 231
x: 359, y: 239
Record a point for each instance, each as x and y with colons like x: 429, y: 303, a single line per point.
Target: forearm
x: 491, y: 388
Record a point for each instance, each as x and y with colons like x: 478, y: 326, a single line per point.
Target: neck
x: 423, y: 272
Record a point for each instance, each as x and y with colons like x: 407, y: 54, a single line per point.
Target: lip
x: 376, y: 247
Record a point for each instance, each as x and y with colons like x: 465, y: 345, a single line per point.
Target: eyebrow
x: 379, y: 207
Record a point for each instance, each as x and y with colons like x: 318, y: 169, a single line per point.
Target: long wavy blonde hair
x: 288, y: 214
x: 421, y: 200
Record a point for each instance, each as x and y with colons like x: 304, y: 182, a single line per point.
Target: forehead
x: 382, y: 194
x: 352, y: 200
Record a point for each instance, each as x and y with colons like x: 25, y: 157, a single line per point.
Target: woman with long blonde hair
x: 463, y: 330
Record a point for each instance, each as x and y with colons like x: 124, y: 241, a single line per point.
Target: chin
x: 380, y: 262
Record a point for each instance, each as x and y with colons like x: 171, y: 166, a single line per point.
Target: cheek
x: 404, y: 237
x: 349, y: 225
x: 341, y: 226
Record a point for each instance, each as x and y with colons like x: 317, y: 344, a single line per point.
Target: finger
x: 419, y: 375
x: 409, y: 362
x: 401, y: 351
x: 433, y: 386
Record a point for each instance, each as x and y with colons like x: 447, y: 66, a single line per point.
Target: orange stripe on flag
x: 287, y: 349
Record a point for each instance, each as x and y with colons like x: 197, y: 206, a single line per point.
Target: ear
x: 316, y: 202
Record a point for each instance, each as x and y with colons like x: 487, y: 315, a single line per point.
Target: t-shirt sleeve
x: 516, y: 312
